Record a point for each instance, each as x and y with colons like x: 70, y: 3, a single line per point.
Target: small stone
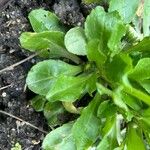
x: 35, y: 142
x: 4, y: 94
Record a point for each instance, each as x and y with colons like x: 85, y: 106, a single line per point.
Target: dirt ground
x: 13, y: 98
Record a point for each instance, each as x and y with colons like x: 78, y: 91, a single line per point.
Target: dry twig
x: 5, y: 87
x: 18, y: 63
x: 25, y: 122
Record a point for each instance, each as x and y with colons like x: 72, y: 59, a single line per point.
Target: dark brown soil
x: 14, y: 100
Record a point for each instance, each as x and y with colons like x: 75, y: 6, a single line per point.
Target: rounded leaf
x: 43, y: 75
x: 42, y: 20
x: 60, y: 139
x: 75, y: 41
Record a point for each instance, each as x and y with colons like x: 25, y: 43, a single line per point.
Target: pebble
x: 4, y: 94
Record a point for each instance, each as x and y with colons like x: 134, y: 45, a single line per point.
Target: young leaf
x: 131, y: 101
x: 86, y: 128
x: 42, y: 20
x: 144, y: 123
x: 146, y: 112
x: 134, y: 137
x: 144, y: 119
x: 126, y: 8
x: 60, y: 139
x: 106, y: 109
x: 69, y: 89
x: 146, y: 85
x: 141, y: 46
x: 75, y: 41
x: 118, y: 100
x: 146, y: 20
x: 49, y: 43
x: 42, y: 76
x: 107, y: 27
x: 141, y: 70
x: 109, y: 139
x: 52, y: 112
x: 94, y: 53
x: 117, y: 67
x: 52, y: 40
x: 38, y: 102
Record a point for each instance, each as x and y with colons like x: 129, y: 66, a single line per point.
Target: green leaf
x: 146, y: 20
x: 86, y: 128
x: 146, y: 112
x: 91, y: 83
x: 48, y: 40
x: 52, y: 112
x: 94, y: 53
x: 117, y: 67
x: 109, y: 139
x: 69, y: 89
x: 146, y: 85
x: 137, y: 93
x: 119, y: 101
x: 42, y: 76
x: 75, y: 41
x: 60, y: 139
x: 144, y: 123
x: 42, y: 20
x: 106, y: 109
x: 142, y: 46
x: 126, y: 8
x: 107, y: 27
x: 38, y: 102
x: 144, y: 119
x: 142, y: 70
x: 134, y: 137
x: 103, y: 90
x: 49, y: 43
x: 131, y: 101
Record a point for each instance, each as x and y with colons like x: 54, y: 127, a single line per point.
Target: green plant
x: 116, y: 75
x: 17, y: 146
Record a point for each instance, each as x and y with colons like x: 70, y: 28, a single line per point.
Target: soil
x: 15, y: 99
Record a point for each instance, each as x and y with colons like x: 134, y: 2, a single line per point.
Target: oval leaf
x: 75, y: 41
x: 42, y: 20
x: 70, y: 89
x: 43, y: 75
x: 59, y: 139
x: 48, y: 40
x: 49, y: 43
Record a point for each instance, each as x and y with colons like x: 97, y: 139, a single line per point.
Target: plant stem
x: 71, y: 56
x: 71, y: 108
x: 103, y: 90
